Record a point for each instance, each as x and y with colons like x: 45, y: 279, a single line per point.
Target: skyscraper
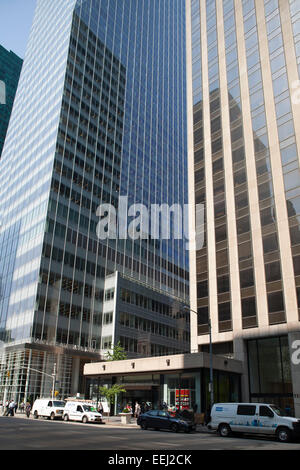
x: 243, y: 62
x: 10, y: 69
x: 100, y: 114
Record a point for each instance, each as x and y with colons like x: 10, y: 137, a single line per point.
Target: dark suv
x: 159, y: 419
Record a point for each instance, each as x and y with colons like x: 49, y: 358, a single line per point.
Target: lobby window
x: 270, y: 371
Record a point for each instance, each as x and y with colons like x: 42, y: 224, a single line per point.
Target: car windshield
x: 59, y: 403
x: 278, y: 411
x: 89, y: 408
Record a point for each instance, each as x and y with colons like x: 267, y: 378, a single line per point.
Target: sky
x: 16, y: 17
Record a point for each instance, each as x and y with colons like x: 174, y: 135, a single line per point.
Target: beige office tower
x: 243, y: 60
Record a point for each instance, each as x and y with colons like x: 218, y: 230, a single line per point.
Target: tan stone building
x: 243, y: 61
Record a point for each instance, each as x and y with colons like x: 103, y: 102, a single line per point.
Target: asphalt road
x: 30, y: 434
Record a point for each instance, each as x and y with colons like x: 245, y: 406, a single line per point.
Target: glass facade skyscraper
x: 100, y: 113
x: 10, y: 69
x: 243, y: 64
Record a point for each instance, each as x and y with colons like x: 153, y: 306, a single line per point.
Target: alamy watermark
x: 157, y: 222
x: 296, y: 353
x: 2, y: 93
x: 296, y: 92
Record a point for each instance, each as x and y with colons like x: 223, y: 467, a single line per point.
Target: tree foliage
x: 111, y: 392
x: 118, y: 353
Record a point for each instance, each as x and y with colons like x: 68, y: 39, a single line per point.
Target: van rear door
x: 246, y: 419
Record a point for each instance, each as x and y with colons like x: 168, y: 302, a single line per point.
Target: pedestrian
x: 137, y: 410
x: 11, y: 408
x: 28, y: 409
x: 6, y: 408
x: 207, y: 417
x: 100, y: 408
x: 22, y: 407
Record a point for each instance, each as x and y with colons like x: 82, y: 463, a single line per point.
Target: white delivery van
x: 48, y: 408
x: 81, y: 411
x: 253, y: 418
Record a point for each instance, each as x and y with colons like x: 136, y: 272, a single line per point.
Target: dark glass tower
x: 10, y: 69
x: 101, y: 113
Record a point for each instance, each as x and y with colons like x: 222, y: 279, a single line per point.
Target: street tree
x: 111, y: 393
x: 118, y: 353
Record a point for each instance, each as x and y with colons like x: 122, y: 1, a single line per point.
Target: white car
x: 48, y: 408
x: 80, y: 411
x: 253, y: 418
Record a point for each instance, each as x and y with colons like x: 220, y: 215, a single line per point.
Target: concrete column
x: 240, y: 354
x: 198, y: 398
x: 75, y: 376
x: 294, y: 344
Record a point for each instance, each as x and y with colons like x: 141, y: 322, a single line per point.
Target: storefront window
x: 181, y: 391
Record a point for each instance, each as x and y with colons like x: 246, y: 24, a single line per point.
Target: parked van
x: 253, y: 418
x: 81, y: 411
x: 48, y: 408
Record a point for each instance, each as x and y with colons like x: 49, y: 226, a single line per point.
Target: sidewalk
x: 116, y: 421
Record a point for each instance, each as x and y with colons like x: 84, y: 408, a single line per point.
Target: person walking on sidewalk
x: 11, y: 408
x: 137, y: 410
x: 28, y: 409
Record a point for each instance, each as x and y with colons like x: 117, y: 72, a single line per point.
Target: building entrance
x: 147, y: 397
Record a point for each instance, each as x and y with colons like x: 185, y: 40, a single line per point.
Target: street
x: 18, y: 433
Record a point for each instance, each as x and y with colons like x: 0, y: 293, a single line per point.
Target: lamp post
x: 211, y: 373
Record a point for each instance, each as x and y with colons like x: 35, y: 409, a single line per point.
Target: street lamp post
x: 211, y: 373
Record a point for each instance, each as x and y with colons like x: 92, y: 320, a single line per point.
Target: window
x: 224, y: 311
x: 247, y: 278
x: 202, y: 289
x: 273, y: 272
x: 245, y: 251
x: 246, y: 410
x: 223, y: 284
x: 248, y: 307
x: 265, y: 411
x: 270, y: 243
x: 275, y: 302
x: 243, y: 225
x: 163, y: 414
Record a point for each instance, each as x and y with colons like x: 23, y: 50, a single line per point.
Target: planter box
x: 125, y: 418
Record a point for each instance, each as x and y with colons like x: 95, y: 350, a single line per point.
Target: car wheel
x: 52, y: 416
x: 36, y: 415
x: 283, y: 434
x: 224, y: 430
x: 66, y: 418
x: 85, y: 419
x: 174, y: 427
x: 143, y: 425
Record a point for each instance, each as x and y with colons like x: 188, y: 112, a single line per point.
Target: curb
x: 199, y: 429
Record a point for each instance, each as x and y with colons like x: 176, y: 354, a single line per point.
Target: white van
x: 81, y: 411
x: 48, y: 408
x: 254, y: 418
